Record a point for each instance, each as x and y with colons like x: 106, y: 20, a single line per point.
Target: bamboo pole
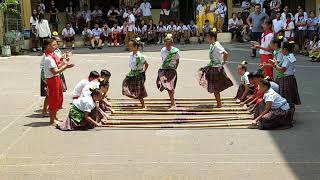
x: 177, y: 99
x: 183, y: 126
x: 144, y: 118
x: 176, y: 113
x: 168, y: 104
x: 180, y: 109
x: 177, y: 121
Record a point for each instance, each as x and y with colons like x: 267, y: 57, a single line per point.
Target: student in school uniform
x: 151, y: 32
x: 213, y: 76
x: 265, y: 50
x: 275, y: 45
x: 221, y: 14
x: 161, y: 31
x: 93, y: 76
x: 172, y: 29
x: 206, y: 29
x: 244, y: 89
x: 289, y: 28
x: 312, y: 24
x: 115, y: 30
x: 52, y: 69
x: 210, y: 13
x: 286, y: 79
x: 68, y: 34
x: 104, y: 77
x: 201, y: 14
x: 133, y: 84
x: 183, y: 33
x: 124, y: 31
x: 106, y: 35
x: 276, y: 112
x: 314, y: 50
x: 143, y: 34
x: 277, y: 24
x: 87, y: 36
x: 96, y: 32
x: 167, y: 74
x: 79, y: 114
x: 194, y: 30
x: 301, y: 24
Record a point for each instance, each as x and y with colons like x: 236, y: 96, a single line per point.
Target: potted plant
x: 8, y: 8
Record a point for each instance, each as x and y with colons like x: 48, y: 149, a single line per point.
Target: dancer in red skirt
x: 265, y: 49
x: 52, y: 73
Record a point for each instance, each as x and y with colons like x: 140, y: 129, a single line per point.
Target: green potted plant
x: 8, y: 9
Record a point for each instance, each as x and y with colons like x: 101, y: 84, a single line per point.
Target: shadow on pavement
x: 38, y: 124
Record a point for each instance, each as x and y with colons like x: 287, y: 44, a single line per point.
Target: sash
x: 136, y: 71
x: 213, y: 60
x: 169, y: 58
x: 281, y: 74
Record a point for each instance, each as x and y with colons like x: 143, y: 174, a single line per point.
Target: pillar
x: 26, y: 13
x: 230, y: 8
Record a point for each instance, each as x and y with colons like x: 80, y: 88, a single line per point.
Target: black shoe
x: 99, y: 47
x: 73, y: 48
x: 92, y: 48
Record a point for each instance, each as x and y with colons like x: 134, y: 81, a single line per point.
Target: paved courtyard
x: 32, y: 150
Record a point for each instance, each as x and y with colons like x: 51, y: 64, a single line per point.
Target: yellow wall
x: 26, y: 13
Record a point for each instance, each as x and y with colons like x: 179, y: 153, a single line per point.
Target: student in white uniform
x: 94, y: 75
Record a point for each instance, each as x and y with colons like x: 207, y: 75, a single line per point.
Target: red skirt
x: 264, y: 58
x: 55, y: 93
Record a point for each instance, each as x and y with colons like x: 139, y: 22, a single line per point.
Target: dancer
x: 79, y: 114
x: 244, y: 88
x: 93, y: 76
x: 288, y: 87
x: 52, y: 69
x: 133, y: 84
x: 276, y: 111
x: 167, y: 74
x: 213, y: 77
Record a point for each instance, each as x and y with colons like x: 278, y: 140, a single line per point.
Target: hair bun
x: 55, y: 33
x: 280, y: 37
x: 169, y: 36
x: 244, y: 63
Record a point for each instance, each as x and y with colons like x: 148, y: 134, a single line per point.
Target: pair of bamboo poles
x: 189, y: 107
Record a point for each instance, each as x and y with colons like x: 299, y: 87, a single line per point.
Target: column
x: 26, y: 13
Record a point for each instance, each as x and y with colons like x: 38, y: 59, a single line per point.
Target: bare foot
x: 44, y: 115
x: 172, y: 107
x: 218, y: 106
x: 238, y: 101
x: 55, y: 123
x: 143, y: 108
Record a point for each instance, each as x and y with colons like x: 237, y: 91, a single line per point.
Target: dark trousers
x: 255, y: 36
x: 235, y: 32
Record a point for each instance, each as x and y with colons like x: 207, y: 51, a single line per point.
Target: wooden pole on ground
x: 177, y: 113
x: 183, y: 126
x: 144, y: 118
x: 179, y: 109
x: 177, y: 99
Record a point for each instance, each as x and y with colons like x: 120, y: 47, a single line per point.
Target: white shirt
x: 162, y: 28
x: 49, y: 63
x: 290, y: 28
x: 87, y: 33
x: 114, y: 11
x: 245, y: 6
x: 43, y: 29
x: 133, y: 62
x: 217, y: 53
x: 305, y: 14
x: 79, y: 87
x: 200, y: 10
x: 164, y: 53
x: 274, y: 86
x: 67, y: 32
x: 277, y: 25
x: 244, y: 79
x: 193, y: 27
x: 221, y: 10
x: 284, y: 17
x: 87, y: 15
x: 232, y: 23
x: 117, y: 29
x: 96, y: 13
x: 131, y: 21
x: 288, y: 63
x: 146, y: 8
x: 84, y: 104
x: 265, y: 42
x: 33, y: 21
x: 91, y: 85
x: 276, y: 99
x: 183, y: 28
x: 171, y: 28
x: 96, y: 32
x: 301, y: 19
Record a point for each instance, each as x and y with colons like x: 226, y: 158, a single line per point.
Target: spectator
x: 255, y: 21
x: 165, y: 11
x: 106, y: 35
x: 305, y: 14
x: 174, y: 10
x: 275, y: 7
x: 183, y: 34
x: 194, y: 30
x: 210, y: 13
x: 233, y: 27
x: 33, y: 23
x: 245, y: 6
x: 206, y: 29
x: 41, y: 7
x: 289, y: 28
x: 54, y: 19
x: 301, y: 24
x: 43, y: 30
x: 312, y: 24
x: 131, y: 25
x: 314, y: 52
x: 277, y: 24
x: 97, y: 15
x: 284, y: 14
x: 96, y: 32
x: 137, y: 13
x: 68, y: 35
x: 113, y: 14
x: 152, y: 32
x: 201, y: 15
x: 145, y: 7
x: 124, y: 30
x: 221, y: 13
x: 87, y: 15
x: 172, y: 29
x: 161, y: 30
x: 87, y: 36
x: 116, y: 30
x: 261, y: 2
x: 70, y: 12
x: 143, y: 34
